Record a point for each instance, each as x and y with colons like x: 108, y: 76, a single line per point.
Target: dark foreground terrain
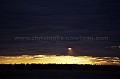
x: 59, y: 71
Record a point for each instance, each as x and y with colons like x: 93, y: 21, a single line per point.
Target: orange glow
x: 53, y: 59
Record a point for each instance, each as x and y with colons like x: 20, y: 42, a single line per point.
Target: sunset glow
x: 53, y: 59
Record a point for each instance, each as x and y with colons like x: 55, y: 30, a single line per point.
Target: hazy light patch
x: 47, y: 59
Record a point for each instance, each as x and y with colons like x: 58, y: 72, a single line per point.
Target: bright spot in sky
x: 70, y: 51
x: 69, y: 48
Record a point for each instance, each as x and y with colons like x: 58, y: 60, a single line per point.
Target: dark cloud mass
x: 64, y: 18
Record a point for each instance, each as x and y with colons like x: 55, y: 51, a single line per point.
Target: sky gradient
x: 65, y: 18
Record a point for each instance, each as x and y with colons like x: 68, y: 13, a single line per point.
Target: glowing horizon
x: 54, y: 59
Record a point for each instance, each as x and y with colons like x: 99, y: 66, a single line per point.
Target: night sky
x: 65, y: 18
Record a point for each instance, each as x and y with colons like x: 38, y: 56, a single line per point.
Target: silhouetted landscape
x: 85, y: 67
x: 59, y: 71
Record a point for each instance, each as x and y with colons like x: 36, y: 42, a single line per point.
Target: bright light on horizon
x: 53, y: 59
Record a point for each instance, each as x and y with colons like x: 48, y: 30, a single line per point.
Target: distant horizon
x: 61, y: 59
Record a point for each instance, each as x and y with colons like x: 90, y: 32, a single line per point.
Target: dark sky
x: 26, y: 18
